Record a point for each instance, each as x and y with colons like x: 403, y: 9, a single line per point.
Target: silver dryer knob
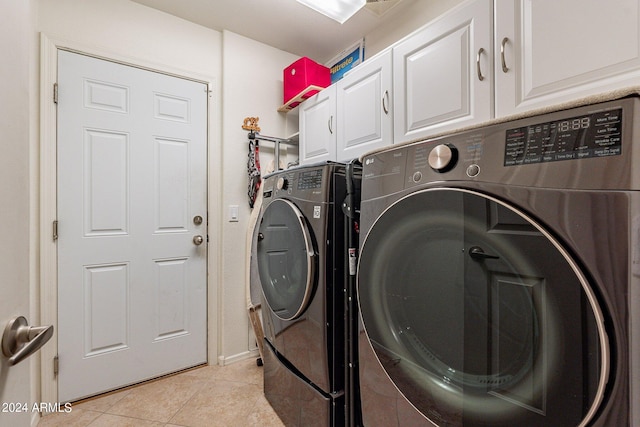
x: 443, y: 157
x: 282, y: 183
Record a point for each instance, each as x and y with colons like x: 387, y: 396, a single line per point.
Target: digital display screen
x: 310, y: 180
x: 593, y: 135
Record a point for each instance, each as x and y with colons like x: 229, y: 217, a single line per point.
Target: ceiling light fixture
x: 338, y: 10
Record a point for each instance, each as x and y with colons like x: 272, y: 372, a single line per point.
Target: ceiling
x: 284, y: 24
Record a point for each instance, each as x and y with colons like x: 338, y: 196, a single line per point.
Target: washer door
x: 478, y: 315
x: 286, y: 259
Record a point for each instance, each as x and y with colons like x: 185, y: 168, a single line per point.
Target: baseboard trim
x: 228, y: 360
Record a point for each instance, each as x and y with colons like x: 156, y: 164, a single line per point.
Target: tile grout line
x: 200, y: 388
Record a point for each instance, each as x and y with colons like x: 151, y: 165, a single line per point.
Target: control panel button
x: 473, y: 171
x: 417, y: 177
x: 443, y: 157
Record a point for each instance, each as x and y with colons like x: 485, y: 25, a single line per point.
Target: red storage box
x: 303, y: 79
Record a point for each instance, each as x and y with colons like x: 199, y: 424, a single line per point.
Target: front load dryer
x: 302, y: 257
x: 499, y: 275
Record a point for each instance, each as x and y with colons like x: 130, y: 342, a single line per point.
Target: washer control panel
x: 530, y: 151
x: 597, y: 134
x: 308, y: 183
x: 308, y: 180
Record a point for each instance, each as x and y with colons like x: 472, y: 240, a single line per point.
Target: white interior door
x: 132, y: 172
x: 16, y: 252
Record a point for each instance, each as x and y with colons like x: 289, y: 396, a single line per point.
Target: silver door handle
x: 385, y: 102
x: 504, y: 62
x: 330, y: 124
x: 478, y: 69
x: 20, y: 340
x: 198, y: 240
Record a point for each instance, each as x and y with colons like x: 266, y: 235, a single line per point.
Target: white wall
x: 252, y: 88
x: 17, y: 38
x: 133, y: 31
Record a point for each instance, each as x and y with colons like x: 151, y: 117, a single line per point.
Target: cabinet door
x: 364, y: 108
x: 318, y: 127
x: 443, y: 73
x: 556, y: 51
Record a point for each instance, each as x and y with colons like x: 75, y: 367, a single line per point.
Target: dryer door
x: 286, y: 259
x: 478, y: 316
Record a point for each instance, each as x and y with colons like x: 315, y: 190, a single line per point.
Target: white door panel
x: 443, y: 74
x: 588, y: 54
x: 18, y: 215
x: 367, y: 95
x: 131, y: 177
x: 559, y: 51
x: 318, y: 127
x: 364, y: 108
x: 446, y: 82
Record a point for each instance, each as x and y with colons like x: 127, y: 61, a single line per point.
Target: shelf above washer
x: 304, y: 94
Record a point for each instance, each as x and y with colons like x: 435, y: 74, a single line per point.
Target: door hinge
x: 56, y: 365
x: 55, y: 93
x: 55, y: 230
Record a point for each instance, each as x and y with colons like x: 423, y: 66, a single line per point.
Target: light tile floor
x: 208, y: 396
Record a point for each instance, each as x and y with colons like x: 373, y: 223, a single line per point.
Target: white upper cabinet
x: 318, y: 127
x: 443, y: 77
x: 364, y: 108
x: 556, y: 51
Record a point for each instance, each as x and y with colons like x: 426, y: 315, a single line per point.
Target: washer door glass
x: 286, y: 259
x: 478, y: 316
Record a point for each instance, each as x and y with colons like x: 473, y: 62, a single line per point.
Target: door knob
x: 198, y: 240
x: 20, y: 340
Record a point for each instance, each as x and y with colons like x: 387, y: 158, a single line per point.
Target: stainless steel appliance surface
x: 498, y: 280
x: 302, y: 263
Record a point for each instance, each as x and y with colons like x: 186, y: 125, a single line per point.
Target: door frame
x: 48, y: 259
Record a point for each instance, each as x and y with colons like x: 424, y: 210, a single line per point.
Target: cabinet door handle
x: 478, y: 69
x: 504, y: 62
x: 385, y: 102
x: 330, y: 124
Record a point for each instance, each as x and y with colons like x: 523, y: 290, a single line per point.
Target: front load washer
x: 498, y: 279
x: 302, y: 255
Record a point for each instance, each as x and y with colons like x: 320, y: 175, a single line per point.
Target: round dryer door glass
x: 286, y: 259
x: 478, y: 316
